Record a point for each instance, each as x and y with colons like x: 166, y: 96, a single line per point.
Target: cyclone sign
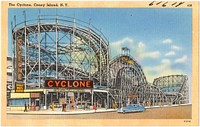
x: 19, y: 59
x: 68, y: 84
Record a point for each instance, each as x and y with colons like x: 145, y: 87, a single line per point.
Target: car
x: 131, y: 108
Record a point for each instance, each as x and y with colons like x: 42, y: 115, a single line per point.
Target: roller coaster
x: 60, y: 47
x: 175, y: 87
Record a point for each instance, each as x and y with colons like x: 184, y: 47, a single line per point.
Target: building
x: 9, y: 77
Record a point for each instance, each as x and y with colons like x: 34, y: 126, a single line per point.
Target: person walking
x: 33, y: 106
x: 143, y: 103
x: 116, y: 105
x: 113, y: 105
x: 25, y: 107
x: 86, y: 105
x: 28, y: 106
x: 76, y: 103
x: 63, y: 106
x: 95, y: 106
x: 52, y: 106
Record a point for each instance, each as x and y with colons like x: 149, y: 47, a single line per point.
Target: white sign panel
x: 70, y: 94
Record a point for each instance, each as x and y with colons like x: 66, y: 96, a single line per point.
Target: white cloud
x: 163, y: 69
x: 154, y: 54
x: 165, y: 61
x: 174, y: 47
x: 171, y: 53
x: 183, y: 59
x: 117, y: 45
x: 137, y: 49
x: 167, y: 41
x: 122, y: 41
x: 141, y: 45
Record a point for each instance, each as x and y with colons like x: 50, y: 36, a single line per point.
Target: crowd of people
x: 28, y: 107
x: 85, y: 106
x: 73, y: 106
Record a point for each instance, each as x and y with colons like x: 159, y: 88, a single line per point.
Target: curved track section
x: 123, y: 68
x: 126, y: 75
x: 152, y: 95
x: 175, y: 87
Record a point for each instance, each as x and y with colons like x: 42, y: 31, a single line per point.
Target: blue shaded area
x: 18, y: 102
x: 101, y: 87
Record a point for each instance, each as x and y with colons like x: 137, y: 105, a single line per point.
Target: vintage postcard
x: 99, y: 63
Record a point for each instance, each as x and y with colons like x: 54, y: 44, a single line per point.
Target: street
x: 153, y: 116
x: 179, y: 112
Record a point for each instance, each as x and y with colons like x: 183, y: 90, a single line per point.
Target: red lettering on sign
x: 82, y: 84
x: 88, y: 84
x: 19, y: 59
x: 63, y: 83
x: 50, y: 83
x: 75, y: 84
x: 19, y: 64
x: 19, y: 70
x: 19, y: 76
x: 57, y: 83
x: 69, y: 83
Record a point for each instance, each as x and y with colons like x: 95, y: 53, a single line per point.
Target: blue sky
x: 159, y: 39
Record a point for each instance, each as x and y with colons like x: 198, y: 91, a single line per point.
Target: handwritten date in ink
x: 166, y: 4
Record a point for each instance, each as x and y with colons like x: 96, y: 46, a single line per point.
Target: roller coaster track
x: 44, y: 55
x: 79, y: 32
x: 180, y: 81
x: 123, y: 62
